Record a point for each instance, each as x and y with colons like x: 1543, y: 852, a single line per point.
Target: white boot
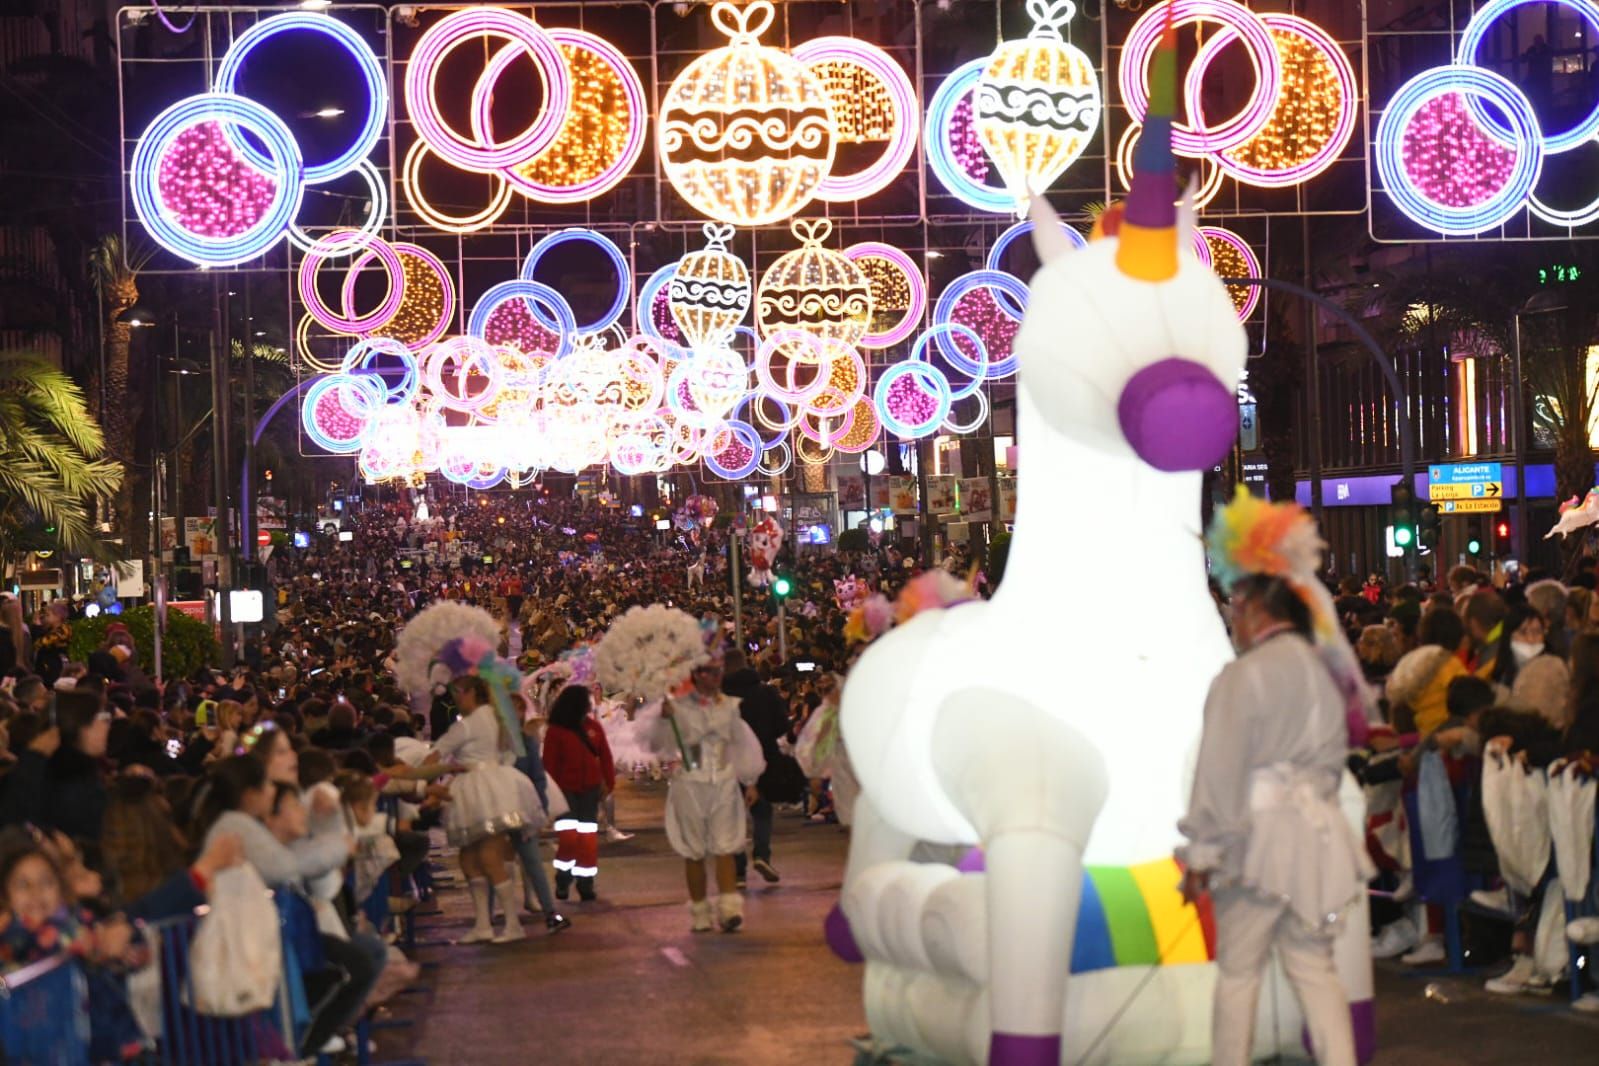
x: 700, y: 911
x: 482, y: 928
x: 730, y: 911
x: 513, y: 922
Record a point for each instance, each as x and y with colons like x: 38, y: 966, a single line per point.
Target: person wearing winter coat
x: 763, y: 710
x: 1418, y: 688
x: 578, y: 759
x: 57, y: 782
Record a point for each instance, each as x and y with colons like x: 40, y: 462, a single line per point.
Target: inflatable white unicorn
x: 1056, y: 725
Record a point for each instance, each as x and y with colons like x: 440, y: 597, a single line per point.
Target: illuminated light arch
x: 411, y: 181
x: 873, y: 100
x: 605, y: 124
x: 1133, y: 74
x: 1314, y: 113
x: 421, y: 88
x: 976, y: 369
x: 948, y: 309
x: 740, y: 456
x: 1471, y: 42
x: 745, y: 133
x: 1232, y: 257
x: 1037, y: 103
x: 941, y: 155
x: 357, y: 363
x: 377, y: 90
x: 465, y: 353
x: 1432, y: 100
x: 624, y: 275
x: 526, y: 291
x: 272, y: 208
x: 896, y: 284
x: 326, y: 420
x: 864, y: 428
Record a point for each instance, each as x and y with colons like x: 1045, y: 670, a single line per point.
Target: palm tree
x: 51, y: 458
x: 116, y: 277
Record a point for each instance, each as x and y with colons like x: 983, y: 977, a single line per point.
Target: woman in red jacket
x: 577, y: 756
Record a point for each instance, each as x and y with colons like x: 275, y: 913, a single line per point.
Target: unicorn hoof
x: 839, y: 936
x: 1007, y: 1049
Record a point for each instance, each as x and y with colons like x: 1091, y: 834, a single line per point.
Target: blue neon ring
x: 486, y: 482
x: 1389, y: 143
x: 996, y: 254
x: 931, y: 377
x: 749, y: 397
x: 976, y: 371
x: 376, y: 87
x: 477, y: 323
x: 999, y: 281
x: 308, y: 405
x: 751, y: 439
x: 358, y: 361
x: 1471, y: 43
x: 145, y: 167
x: 935, y: 136
x: 624, y: 276
x: 643, y: 320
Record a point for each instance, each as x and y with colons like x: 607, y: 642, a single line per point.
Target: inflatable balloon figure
x: 1061, y: 744
x: 1575, y: 515
x: 765, y: 540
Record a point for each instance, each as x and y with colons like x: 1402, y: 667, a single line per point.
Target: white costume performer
x: 493, y: 796
x: 1265, y: 823
x: 705, y: 814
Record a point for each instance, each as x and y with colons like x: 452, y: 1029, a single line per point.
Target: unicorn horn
x: 1148, y: 232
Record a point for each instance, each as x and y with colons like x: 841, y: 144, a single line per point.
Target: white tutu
x: 492, y: 798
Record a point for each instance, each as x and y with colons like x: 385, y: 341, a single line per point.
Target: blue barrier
x: 44, y: 1013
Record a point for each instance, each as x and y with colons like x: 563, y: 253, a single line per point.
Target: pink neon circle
x: 1445, y: 121
x: 341, y: 242
x: 1293, y: 26
x: 913, y: 277
x: 433, y: 262
x: 774, y: 343
x: 339, y: 423
x: 846, y: 400
x: 1245, y: 252
x: 210, y: 189
x: 816, y: 436
x: 422, y: 71
x: 467, y: 350
x: 482, y: 100
x: 891, y: 76
x: 1133, y: 76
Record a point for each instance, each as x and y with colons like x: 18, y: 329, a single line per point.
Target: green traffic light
x: 1403, y: 536
x: 1474, y: 546
x: 781, y: 587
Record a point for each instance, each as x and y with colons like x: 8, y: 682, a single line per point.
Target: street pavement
x: 629, y: 984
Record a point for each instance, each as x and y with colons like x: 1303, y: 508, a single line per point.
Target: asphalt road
x: 629, y: 984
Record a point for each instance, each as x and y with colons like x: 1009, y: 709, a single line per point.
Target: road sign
x: 1484, y: 506
x: 1466, y: 481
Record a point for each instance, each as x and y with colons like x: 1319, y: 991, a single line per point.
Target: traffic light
x: 1404, y: 516
x: 1403, y: 536
x: 1427, y: 529
x: 781, y: 587
x: 1502, y: 531
x: 1474, y: 545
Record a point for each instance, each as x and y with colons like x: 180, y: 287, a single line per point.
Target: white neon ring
x: 370, y: 227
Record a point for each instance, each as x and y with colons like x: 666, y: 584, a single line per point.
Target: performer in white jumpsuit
x: 710, y: 792
x: 1266, y: 834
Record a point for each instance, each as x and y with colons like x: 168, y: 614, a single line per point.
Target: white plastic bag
x: 1514, y: 804
x: 1435, y: 806
x: 1571, y: 807
x: 236, y: 959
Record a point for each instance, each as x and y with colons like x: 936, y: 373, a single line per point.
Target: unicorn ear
x: 1048, y: 240
x: 1187, y: 214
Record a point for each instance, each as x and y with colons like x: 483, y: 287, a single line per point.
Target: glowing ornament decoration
x: 954, y: 149
x: 377, y: 217
x: 349, y: 322
x: 1037, y: 103
x: 411, y: 182
x: 624, y: 275
x: 899, y: 293
x: 1231, y: 257
x: 709, y: 293
x: 480, y: 152
x: 1553, y: 143
x: 197, y: 198
x: 604, y: 129
x: 1315, y: 110
x: 745, y: 133
x: 815, y: 289
x: 873, y: 102
x: 427, y: 302
x: 1444, y: 171
x: 377, y: 92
